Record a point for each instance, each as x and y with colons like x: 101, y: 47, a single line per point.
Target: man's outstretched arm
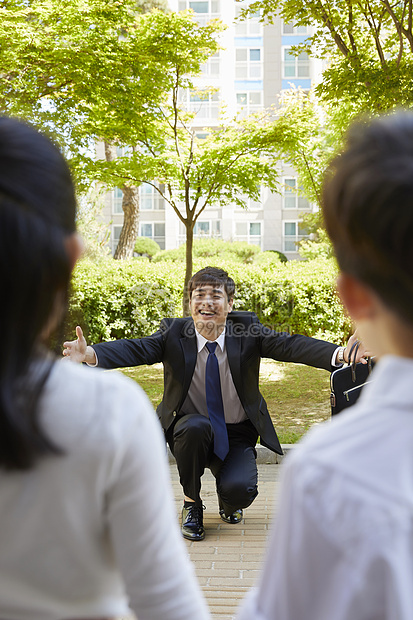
x: 118, y: 353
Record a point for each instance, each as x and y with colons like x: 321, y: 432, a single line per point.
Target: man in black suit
x: 212, y: 411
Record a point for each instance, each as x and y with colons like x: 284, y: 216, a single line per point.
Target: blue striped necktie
x: 214, y: 402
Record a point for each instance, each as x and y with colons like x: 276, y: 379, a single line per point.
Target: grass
x: 297, y: 396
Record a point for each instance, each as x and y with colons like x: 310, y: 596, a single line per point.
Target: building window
x: 249, y: 102
x: 296, y: 66
x: 211, y: 67
x: 249, y: 232
x: 294, y: 232
x: 204, y: 10
x: 205, y: 105
x: 202, y: 229
x: 207, y: 228
x: 199, y: 6
x: 250, y: 26
x: 117, y: 198
x: 291, y: 196
x: 115, y: 237
x: 290, y: 28
x: 150, y: 198
x: 155, y: 231
x: 248, y: 63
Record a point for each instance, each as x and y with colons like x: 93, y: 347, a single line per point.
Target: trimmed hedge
x: 147, y: 247
x: 121, y: 299
x: 127, y: 299
x: 214, y: 249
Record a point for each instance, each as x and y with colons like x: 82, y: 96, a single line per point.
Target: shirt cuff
x: 96, y: 363
x: 333, y: 359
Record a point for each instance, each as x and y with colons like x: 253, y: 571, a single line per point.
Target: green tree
x: 130, y: 195
x: 314, y: 132
x: 180, y: 46
x: 192, y: 173
x: 83, y: 70
x: 96, y: 70
x: 369, y: 46
x: 59, y: 60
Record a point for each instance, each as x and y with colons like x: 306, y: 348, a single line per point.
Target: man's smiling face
x: 209, y: 309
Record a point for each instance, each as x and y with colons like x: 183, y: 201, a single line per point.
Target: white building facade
x: 249, y: 74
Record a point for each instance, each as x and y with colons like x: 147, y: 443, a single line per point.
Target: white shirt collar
x: 201, y: 341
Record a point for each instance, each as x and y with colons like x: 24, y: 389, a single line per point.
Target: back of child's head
x: 368, y: 209
x: 37, y: 212
x: 37, y: 215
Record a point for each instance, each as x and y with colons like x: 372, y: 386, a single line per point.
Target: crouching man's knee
x: 235, y: 495
x: 192, y: 431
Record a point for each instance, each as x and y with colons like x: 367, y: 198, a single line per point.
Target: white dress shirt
x: 83, y: 533
x: 342, y: 543
x: 195, y: 401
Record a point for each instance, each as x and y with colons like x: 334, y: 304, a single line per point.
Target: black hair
x: 213, y: 276
x: 368, y: 208
x: 37, y: 212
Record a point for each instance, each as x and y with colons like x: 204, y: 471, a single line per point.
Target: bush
x: 146, y: 247
x: 216, y: 249
x: 127, y: 299
x: 319, y: 247
x: 171, y: 256
x: 297, y: 297
x: 268, y: 259
x: 122, y: 299
x: 280, y: 255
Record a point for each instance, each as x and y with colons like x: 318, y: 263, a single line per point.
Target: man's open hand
x: 78, y: 351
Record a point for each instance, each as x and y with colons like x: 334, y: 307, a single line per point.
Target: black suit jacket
x: 246, y: 340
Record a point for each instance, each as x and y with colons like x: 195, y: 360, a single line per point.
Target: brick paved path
x: 228, y: 561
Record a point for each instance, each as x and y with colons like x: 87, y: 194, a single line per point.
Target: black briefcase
x: 347, y: 382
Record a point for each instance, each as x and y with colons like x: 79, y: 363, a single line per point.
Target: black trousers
x: 191, y: 439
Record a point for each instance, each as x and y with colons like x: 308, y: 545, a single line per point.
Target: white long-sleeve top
x: 342, y: 544
x: 82, y: 533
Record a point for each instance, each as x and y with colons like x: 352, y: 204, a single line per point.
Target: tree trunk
x: 130, y: 206
x: 110, y: 151
x: 130, y: 228
x: 188, y: 267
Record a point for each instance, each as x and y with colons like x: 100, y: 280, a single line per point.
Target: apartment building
x: 251, y: 73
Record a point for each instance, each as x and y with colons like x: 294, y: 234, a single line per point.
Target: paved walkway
x: 229, y: 559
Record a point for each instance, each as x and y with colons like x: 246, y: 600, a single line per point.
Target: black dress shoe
x: 236, y: 516
x: 193, y: 522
